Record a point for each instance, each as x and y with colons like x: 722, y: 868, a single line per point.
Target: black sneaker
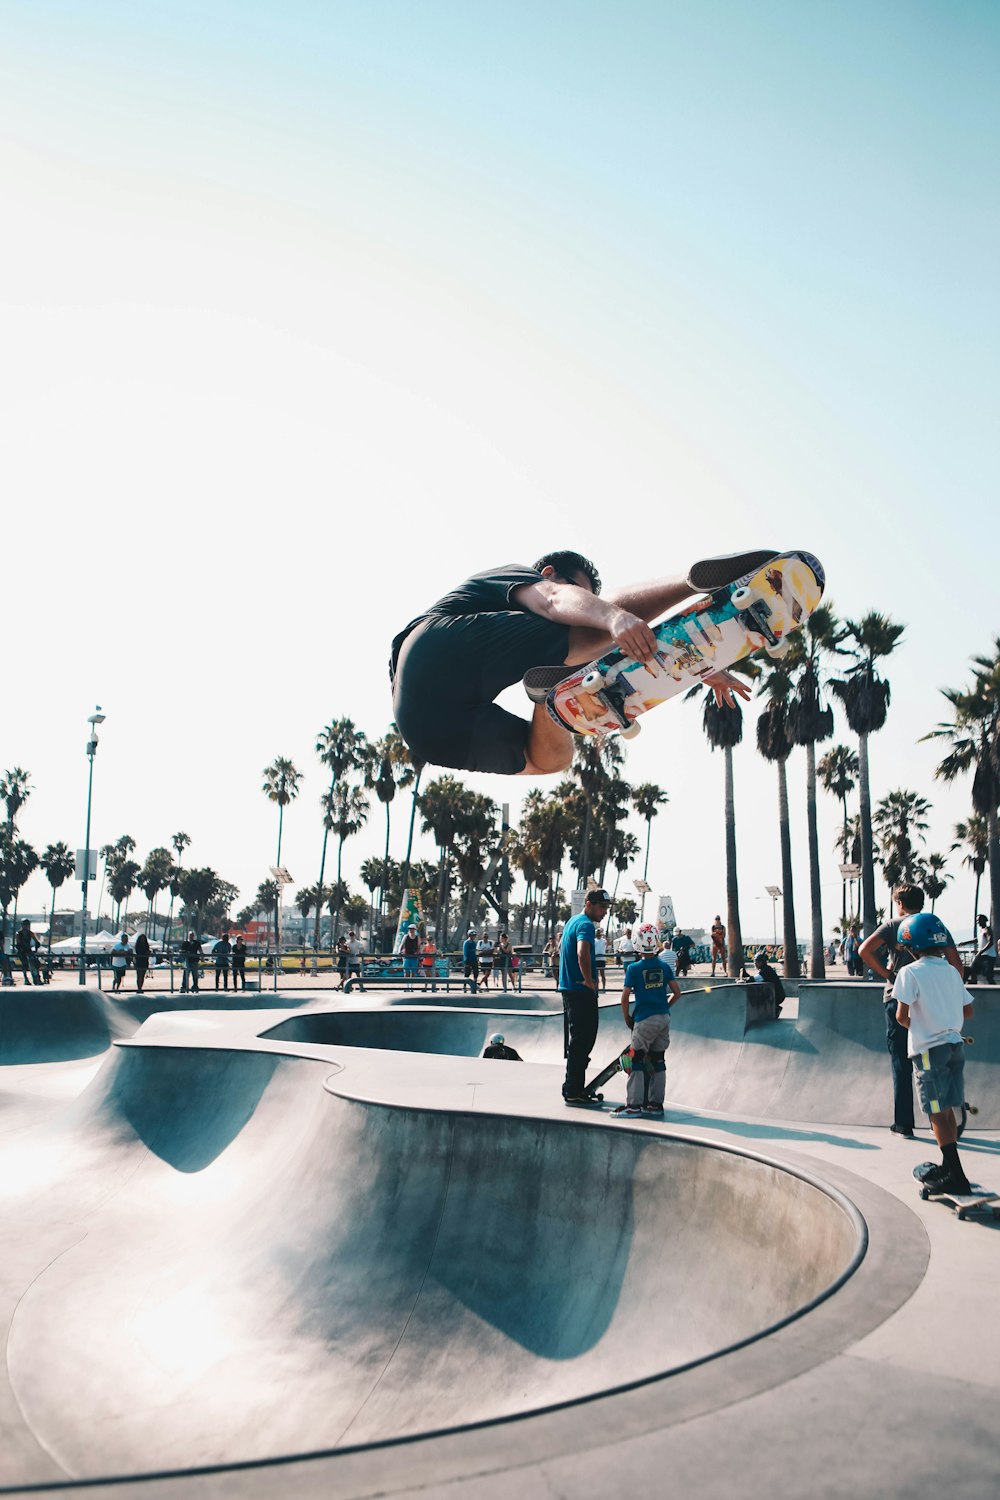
x: 943, y: 1180
x: 715, y: 572
x: 580, y: 1096
x: 539, y: 681
x: 903, y: 1130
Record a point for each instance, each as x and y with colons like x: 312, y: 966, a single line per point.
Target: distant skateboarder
x: 499, y: 1049
x: 885, y: 956
x: 449, y: 664
x: 931, y: 1005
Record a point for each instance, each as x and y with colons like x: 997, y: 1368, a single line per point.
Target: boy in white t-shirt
x: 932, y: 1002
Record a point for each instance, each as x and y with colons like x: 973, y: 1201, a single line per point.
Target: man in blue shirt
x: 578, y: 984
x: 469, y: 960
x: 652, y: 984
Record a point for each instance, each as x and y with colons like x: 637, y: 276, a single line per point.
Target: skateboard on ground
x: 977, y: 1201
x: 622, y: 1063
x: 758, y: 611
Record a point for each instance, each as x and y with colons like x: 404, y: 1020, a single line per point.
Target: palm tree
x: 810, y: 722
x: 723, y: 728
x: 476, y: 843
x: 180, y: 842
x: 775, y: 746
x: 267, y: 898
x: 935, y: 879
x: 59, y: 863
x: 647, y: 800
x: 281, y: 785
x: 899, y: 819
x: 865, y: 698
x: 594, y: 761
x: 348, y: 813
x: 837, y: 770
x: 342, y: 748
x: 974, y: 736
x: 623, y: 851
x: 18, y: 862
x: 974, y: 835
x: 154, y: 877
x: 389, y: 768
x: 122, y: 884
x: 442, y: 806
x: 14, y: 791
x: 199, y: 888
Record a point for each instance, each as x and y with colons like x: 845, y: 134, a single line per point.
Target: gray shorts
x: 939, y: 1075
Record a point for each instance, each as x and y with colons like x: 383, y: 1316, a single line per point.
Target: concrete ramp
x: 46, y: 1023
x: 220, y: 1255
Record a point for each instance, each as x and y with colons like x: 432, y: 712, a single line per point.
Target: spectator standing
x: 141, y: 960
x: 239, y: 961
x: 26, y: 947
x: 601, y: 957
x: 410, y: 949
x: 625, y: 948
x: 852, y: 949
x: 550, y: 958
x: 985, y: 960
x: 682, y: 945
x: 191, y: 957
x: 5, y: 969
x: 220, y: 952
x: 121, y: 957
x: 470, y: 963
x: 428, y: 953
x: 503, y: 959
x: 355, y: 952
x: 578, y: 984
x: 341, y: 961
x: 718, y: 945
x: 885, y: 956
x: 484, y: 953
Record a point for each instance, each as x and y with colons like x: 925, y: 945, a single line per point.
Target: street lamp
x: 95, y: 718
x: 774, y: 891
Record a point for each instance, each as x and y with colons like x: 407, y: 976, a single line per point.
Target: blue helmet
x: 923, y: 930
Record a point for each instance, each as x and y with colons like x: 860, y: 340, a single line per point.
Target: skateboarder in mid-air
x: 514, y: 622
x: 931, y: 1003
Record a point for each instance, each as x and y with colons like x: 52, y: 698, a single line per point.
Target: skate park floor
x: 220, y: 1224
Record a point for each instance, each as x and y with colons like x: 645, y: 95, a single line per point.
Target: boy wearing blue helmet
x: 931, y: 1003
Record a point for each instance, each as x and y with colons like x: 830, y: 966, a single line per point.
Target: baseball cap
x: 599, y: 894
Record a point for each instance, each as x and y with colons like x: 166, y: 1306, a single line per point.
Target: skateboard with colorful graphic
x: 621, y: 1064
x: 758, y: 611
x: 977, y: 1201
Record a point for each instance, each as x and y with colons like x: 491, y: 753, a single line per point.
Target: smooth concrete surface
x: 228, y: 1240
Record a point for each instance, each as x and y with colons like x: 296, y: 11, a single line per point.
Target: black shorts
x: 451, y: 668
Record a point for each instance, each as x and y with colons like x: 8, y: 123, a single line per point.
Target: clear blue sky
x: 309, y: 310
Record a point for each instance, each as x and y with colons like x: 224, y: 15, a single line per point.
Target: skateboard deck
x: 758, y: 611
x: 620, y: 1064
x: 963, y: 1205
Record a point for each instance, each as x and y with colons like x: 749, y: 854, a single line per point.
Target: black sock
x: 949, y: 1158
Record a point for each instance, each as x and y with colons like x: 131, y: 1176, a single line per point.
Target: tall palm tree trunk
x: 735, y: 933
x: 319, y: 898
x: 994, y: 833
x: 843, y: 883
x: 867, y: 842
x: 817, y: 965
x: 405, y: 874
x: 788, y: 933
x: 381, y: 889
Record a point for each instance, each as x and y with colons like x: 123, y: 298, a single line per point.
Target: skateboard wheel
x: 742, y: 598
x: 779, y: 649
x: 924, y: 1193
x: 631, y: 732
x: 592, y: 681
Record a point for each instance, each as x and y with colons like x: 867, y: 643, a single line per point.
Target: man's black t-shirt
x: 499, y: 1050
x: 483, y: 594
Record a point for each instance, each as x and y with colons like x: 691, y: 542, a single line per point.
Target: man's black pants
x: 580, y: 1010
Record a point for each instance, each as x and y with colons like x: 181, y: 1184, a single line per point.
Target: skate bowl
x: 219, y: 1255
x: 827, y: 1066
x: 49, y: 1024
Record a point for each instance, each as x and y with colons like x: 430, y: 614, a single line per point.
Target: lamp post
x: 774, y: 892
x: 95, y: 718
